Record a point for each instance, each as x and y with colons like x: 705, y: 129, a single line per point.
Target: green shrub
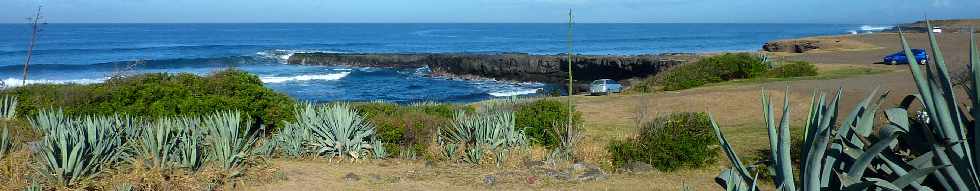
x: 736, y: 66
x: 678, y: 140
x: 688, y: 76
x: 372, y: 109
x: 407, y: 126
x: 160, y: 95
x: 539, y: 118
x: 711, y: 70
x: 793, y: 69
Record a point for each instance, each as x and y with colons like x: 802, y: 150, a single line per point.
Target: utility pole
x: 35, y: 28
x: 570, y: 85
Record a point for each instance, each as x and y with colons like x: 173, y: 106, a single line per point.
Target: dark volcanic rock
x: 794, y: 46
x: 510, y: 67
x: 639, y: 167
x: 489, y: 180
x: 351, y: 177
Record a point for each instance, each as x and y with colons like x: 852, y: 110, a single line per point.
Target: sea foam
x: 514, y: 92
x: 324, y: 77
x: 15, y: 82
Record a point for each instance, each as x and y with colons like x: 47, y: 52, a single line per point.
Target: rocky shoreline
x: 507, y: 66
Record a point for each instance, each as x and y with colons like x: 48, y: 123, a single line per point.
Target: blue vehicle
x: 899, y: 58
x: 605, y: 86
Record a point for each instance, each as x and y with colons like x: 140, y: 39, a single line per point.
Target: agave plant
x: 335, y: 130
x: 934, y: 151
x: 230, y: 139
x: 75, y: 149
x: 190, y: 139
x: 379, y: 149
x: 569, y: 137
x: 5, y: 142
x: 491, y: 129
x: 292, y: 140
x: 8, y: 107
x: 159, y: 142
x: 449, y: 150
x: 474, y: 154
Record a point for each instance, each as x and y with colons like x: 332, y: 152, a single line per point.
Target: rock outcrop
x: 510, y: 66
x: 793, y: 46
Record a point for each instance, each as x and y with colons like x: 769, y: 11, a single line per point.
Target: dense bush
x: 404, y: 126
x: 678, y: 140
x: 539, y: 118
x: 793, y: 69
x: 160, y: 94
x: 713, y: 69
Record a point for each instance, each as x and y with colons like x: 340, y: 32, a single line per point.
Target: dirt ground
x: 736, y: 107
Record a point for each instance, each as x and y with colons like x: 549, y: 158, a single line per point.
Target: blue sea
x: 89, y: 53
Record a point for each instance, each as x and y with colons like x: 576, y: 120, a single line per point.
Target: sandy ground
x: 735, y: 106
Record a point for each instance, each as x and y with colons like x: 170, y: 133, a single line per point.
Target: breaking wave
x: 14, y: 82
x: 283, y: 79
x: 514, y: 92
x: 870, y: 29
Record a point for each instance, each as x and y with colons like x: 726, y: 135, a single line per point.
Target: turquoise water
x: 88, y: 53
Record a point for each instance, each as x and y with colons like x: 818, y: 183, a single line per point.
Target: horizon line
x: 821, y: 23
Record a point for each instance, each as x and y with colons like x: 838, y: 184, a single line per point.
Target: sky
x: 489, y: 11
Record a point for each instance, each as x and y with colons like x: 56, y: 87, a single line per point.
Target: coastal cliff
x: 510, y: 67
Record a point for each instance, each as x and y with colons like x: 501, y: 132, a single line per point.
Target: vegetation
x: 540, y: 117
x: 409, y: 128
x: 160, y: 95
x: 930, y: 151
x: 721, y: 68
x: 230, y: 138
x: 335, y: 130
x: 5, y: 141
x: 8, y: 105
x: 481, y: 132
x: 678, y: 140
x: 713, y: 69
x: 792, y: 69
x: 77, y: 149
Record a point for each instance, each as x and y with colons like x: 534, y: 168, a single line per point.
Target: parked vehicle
x: 899, y: 58
x: 605, y: 86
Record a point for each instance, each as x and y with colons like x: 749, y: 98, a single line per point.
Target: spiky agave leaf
x: 449, y: 151
x: 785, y: 166
x: 190, y: 140
x: 159, y: 142
x: 738, y: 171
x: 492, y: 129
x: 8, y: 107
x: 75, y: 149
x: 291, y: 140
x: 230, y: 139
x: 378, y: 149
x: 940, y: 103
x: 5, y: 142
x: 474, y: 154
x: 337, y: 130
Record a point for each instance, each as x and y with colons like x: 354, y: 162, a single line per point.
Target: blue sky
x: 644, y: 11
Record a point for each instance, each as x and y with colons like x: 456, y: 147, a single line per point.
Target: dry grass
x: 15, y: 169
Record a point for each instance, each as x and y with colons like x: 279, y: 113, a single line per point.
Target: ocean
x: 89, y: 53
